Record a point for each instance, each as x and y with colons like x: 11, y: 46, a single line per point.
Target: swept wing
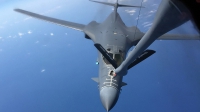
x: 72, y: 25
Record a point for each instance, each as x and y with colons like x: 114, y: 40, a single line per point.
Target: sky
x: 48, y: 68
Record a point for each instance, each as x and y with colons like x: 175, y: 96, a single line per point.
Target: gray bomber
x: 113, y: 39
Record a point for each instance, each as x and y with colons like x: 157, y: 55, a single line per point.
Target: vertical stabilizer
x: 116, y: 5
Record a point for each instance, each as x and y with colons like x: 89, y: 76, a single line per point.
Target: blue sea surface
x: 48, y: 68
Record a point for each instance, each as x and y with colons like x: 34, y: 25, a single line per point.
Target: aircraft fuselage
x: 114, y: 36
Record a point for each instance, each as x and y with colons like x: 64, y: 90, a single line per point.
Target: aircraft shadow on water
x: 113, y: 39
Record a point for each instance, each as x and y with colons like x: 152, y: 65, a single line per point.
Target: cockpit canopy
x: 118, y: 57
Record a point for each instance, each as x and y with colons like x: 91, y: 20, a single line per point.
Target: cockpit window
x: 117, y: 57
x: 105, y: 60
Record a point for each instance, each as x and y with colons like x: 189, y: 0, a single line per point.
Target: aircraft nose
x: 109, y: 97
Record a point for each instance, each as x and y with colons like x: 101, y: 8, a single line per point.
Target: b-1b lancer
x: 113, y: 39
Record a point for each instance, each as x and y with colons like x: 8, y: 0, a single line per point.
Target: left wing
x: 72, y: 25
x: 179, y: 37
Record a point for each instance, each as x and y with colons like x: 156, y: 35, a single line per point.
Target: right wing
x: 179, y: 37
x: 72, y: 25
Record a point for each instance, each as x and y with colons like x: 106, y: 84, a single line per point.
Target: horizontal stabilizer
x: 118, y: 5
x: 105, y: 3
x: 106, y: 55
x: 123, y: 84
x: 72, y: 25
x: 96, y: 79
x: 142, y: 57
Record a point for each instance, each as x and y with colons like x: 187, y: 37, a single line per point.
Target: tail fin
x: 115, y: 4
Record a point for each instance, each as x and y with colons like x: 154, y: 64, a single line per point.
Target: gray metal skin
x: 114, y: 35
x: 170, y: 14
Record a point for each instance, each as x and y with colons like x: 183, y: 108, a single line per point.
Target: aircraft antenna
x: 138, y: 18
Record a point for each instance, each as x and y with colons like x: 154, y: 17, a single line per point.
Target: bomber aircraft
x: 113, y: 39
